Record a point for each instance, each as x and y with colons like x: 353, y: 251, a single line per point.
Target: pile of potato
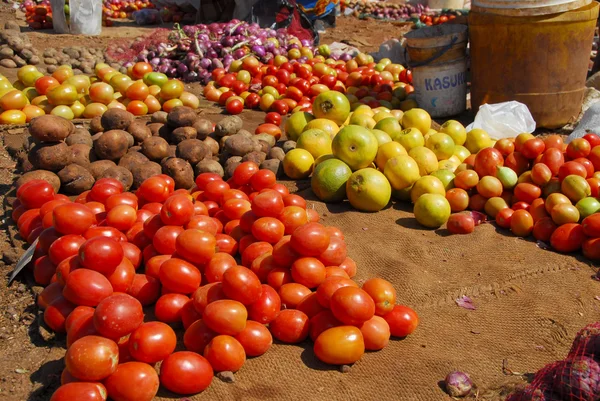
x: 15, y: 48
x: 81, y: 59
x: 117, y: 145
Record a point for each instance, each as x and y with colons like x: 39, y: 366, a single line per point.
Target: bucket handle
x: 439, y: 54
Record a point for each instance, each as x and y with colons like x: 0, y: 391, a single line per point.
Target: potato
x: 192, y: 150
x: 50, y: 156
x: 79, y: 139
x: 181, y: 116
x: 245, y: 133
x: 233, y: 160
x: 172, y: 151
x: 136, y: 148
x: 40, y: 175
x: 239, y: 145
x: 230, y: 168
x: 165, y: 132
x: 264, y: 147
x: 182, y: 133
x: 121, y: 174
x: 274, y: 165
x: 96, y: 125
x: 270, y: 139
x: 159, y: 117
x: 139, y: 130
x: 203, y: 128
x: 112, y: 145
x: 116, y: 119
x: 212, y: 145
x: 75, y: 179
x: 154, y: 128
x: 256, y: 157
x: 288, y: 145
x: 143, y: 171
x: 209, y: 166
x: 181, y: 171
x: 155, y: 148
x: 229, y: 126
x: 132, y: 159
x: 130, y: 140
x: 50, y: 128
x: 98, y: 167
x: 276, y: 153
x: 82, y: 155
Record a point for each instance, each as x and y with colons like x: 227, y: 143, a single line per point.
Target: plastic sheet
x: 85, y: 17
x: 504, y: 120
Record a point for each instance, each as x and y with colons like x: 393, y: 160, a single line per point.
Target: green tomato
x: 155, y: 78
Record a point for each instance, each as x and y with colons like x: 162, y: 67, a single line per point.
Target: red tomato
x: 145, y: 289
x: 349, y: 266
x: 242, y: 285
x: 322, y: 321
x: 568, y: 238
x: 268, y: 204
x: 308, y: 271
x: 57, y: 310
x: 133, y: 381
x: 262, y: 179
x: 310, y: 305
x: 267, y: 307
x: 376, y: 333
x: 35, y: 194
x: 335, y: 253
x: 225, y: 353
x: 177, y: 210
x: 487, y: 160
x: 311, y: 239
x: 86, y: 287
x: 254, y: 250
x: 273, y: 117
x: 102, y: 254
x: 383, y: 294
x: 165, y: 238
x: 256, y: 339
x: 169, y: 307
x: 72, y: 218
x: 592, y: 138
x: 235, y: 106
x: 290, y: 326
x: 92, y: 358
x: 291, y: 294
x: 402, y: 320
x: 43, y: 270
x: 225, y: 316
x: 543, y: 229
x: 532, y: 148
x: 118, y: 315
x: 352, y: 305
x: 177, y: 275
x: 341, y: 345
x: 49, y: 294
x: 80, y: 391
x: 152, y: 342
x: 186, y: 372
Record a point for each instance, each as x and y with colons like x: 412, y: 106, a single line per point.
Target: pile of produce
x: 81, y: 59
x: 234, y: 263
x: 16, y: 49
x: 418, y: 13
x: 194, y: 51
x: 123, y: 8
x: 178, y: 144
x: 286, y: 86
x: 72, y: 96
x: 577, y: 377
x: 533, y: 186
x: 39, y: 15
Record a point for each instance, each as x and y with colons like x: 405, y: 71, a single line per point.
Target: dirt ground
x: 529, y: 302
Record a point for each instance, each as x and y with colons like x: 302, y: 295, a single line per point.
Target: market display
x: 294, y: 276
x: 418, y: 13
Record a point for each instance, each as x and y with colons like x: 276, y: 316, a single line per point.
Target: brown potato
x: 121, y: 174
x: 203, y: 128
x: 230, y: 168
x: 116, y: 119
x: 82, y: 155
x: 229, y: 126
x: 159, y: 117
x: 182, y: 133
x: 274, y: 165
x: 155, y: 148
x: 40, y: 175
x: 154, y: 128
x: 181, y: 171
x: 192, y: 150
x: 50, y: 128
x: 75, y: 179
x: 209, y: 166
x: 181, y: 116
x: 139, y: 130
x: 98, y: 167
x: 132, y: 159
x: 212, y: 145
x: 79, y: 139
x: 276, y: 153
x: 136, y: 148
x: 96, y: 125
x: 256, y: 157
x: 50, y: 156
x: 239, y: 145
x: 112, y: 145
x: 143, y: 171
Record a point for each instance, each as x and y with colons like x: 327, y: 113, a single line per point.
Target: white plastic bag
x: 85, y: 17
x: 504, y: 120
x: 393, y: 49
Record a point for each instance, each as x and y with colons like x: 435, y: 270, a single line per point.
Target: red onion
x: 458, y: 384
x: 258, y: 50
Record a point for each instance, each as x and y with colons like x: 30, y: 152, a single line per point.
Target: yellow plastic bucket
x: 541, y: 61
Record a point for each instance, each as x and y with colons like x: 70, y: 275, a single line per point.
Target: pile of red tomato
x: 284, y: 86
x: 234, y: 263
x: 554, y: 198
x: 39, y: 16
x: 123, y: 8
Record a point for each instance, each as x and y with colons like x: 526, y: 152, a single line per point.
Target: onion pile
x: 194, y: 51
x: 388, y: 11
